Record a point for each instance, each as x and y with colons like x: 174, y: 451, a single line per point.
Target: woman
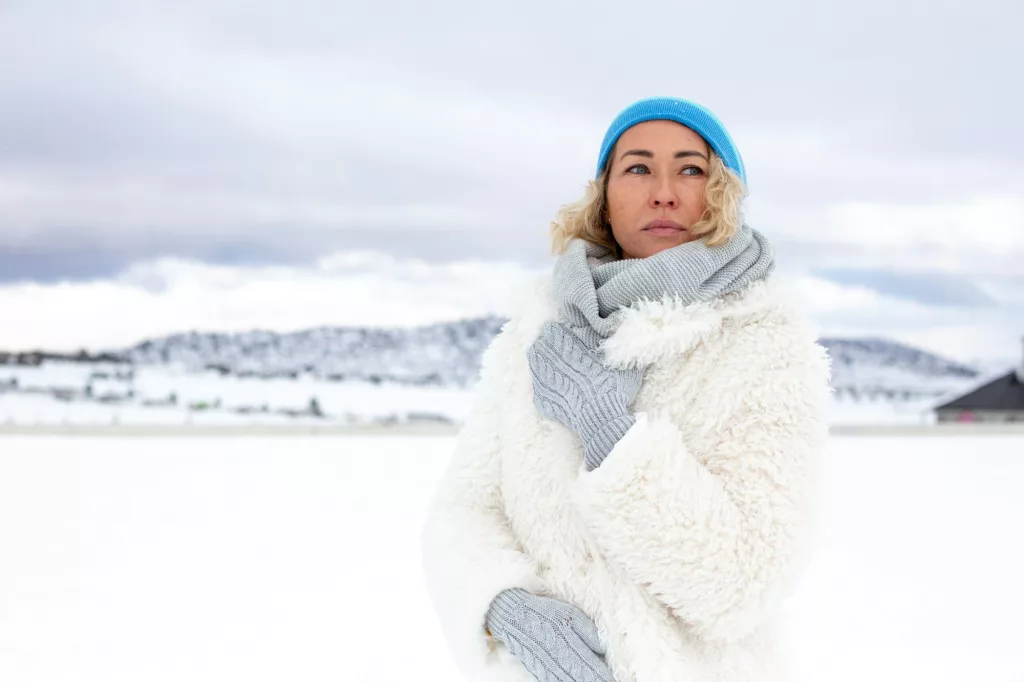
x: 628, y: 498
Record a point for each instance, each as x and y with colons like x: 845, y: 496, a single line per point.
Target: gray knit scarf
x: 592, y: 287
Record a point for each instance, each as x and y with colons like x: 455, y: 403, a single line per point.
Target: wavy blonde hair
x: 588, y: 218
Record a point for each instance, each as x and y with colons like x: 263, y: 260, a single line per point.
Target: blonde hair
x: 588, y: 218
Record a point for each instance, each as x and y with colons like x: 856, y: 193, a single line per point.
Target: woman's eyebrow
x: 638, y: 152
x: 650, y: 155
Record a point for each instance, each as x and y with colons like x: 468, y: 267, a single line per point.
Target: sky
x: 226, y: 165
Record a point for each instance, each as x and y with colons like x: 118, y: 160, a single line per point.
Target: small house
x: 998, y: 400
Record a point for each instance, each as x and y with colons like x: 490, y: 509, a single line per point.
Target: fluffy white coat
x: 682, y: 542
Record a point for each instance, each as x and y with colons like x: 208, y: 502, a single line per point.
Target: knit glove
x: 555, y: 641
x: 571, y: 385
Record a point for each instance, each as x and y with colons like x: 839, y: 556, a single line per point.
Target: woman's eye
x: 640, y: 167
x: 692, y: 170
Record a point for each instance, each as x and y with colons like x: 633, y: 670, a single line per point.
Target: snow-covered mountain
x: 883, y: 369
x: 446, y: 354
x: 354, y: 375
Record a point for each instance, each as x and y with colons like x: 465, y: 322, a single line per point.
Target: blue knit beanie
x: 692, y: 115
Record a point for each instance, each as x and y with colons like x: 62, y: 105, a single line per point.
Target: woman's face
x: 656, y: 187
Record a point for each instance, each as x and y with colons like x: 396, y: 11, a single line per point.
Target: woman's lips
x: 663, y: 227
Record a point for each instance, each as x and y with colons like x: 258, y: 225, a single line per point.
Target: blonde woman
x: 630, y: 496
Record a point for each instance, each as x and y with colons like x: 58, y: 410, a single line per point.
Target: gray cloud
x: 929, y: 288
x: 247, y: 132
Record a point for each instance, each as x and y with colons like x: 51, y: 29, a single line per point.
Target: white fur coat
x: 682, y: 542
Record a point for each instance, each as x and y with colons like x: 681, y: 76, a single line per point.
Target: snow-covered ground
x: 274, y: 558
x: 207, y: 398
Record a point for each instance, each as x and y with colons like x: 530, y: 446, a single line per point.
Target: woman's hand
x: 555, y: 641
x: 571, y: 385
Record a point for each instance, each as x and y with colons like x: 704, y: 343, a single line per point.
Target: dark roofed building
x: 997, y: 400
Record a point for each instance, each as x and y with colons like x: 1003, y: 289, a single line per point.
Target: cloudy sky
x: 228, y: 165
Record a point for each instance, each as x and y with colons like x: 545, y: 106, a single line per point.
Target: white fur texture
x: 680, y: 545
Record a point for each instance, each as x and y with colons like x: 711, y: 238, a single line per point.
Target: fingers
x: 583, y: 626
x: 558, y: 642
x: 560, y: 338
x: 549, y: 370
x: 569, y: 344
x: 589, y: 661
x: 556, y: 336
x: 571, y: 376
x: 630, y: 381
x: 545, y: 665
x: 559, y: 359
x: 600, y: 669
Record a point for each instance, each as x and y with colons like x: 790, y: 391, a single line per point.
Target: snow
x: 240, y: 400
x: 917, y: 571
x: 270, y: 558
x: 358, y: 375
x: 880, y: 412
x: 342, y: 401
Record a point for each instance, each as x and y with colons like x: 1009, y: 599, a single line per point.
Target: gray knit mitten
x: 555, y: 641
x: 571, y: 385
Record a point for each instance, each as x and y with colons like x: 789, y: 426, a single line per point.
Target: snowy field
x: 209, y: 399
x: 296, y: 558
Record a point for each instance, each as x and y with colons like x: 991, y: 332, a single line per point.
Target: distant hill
x: 882, y: 368
x: 448, y: 355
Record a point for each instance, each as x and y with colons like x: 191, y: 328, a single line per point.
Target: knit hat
x: 690, y: 114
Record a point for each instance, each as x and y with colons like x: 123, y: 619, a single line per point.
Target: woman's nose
x: 664, y: 196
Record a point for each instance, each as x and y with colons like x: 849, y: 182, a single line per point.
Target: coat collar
x: 656, y: 330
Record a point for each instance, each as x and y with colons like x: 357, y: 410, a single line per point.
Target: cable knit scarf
x: 592, y: 287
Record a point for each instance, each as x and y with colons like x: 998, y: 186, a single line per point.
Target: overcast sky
x: 226, y: 164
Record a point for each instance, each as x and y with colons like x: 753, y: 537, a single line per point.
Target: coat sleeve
x: 469, y: 552
x: 716, y: 540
